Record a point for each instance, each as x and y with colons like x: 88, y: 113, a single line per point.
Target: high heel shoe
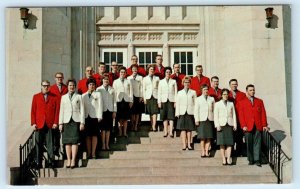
x: 229, y: 161
x: 165, y: 135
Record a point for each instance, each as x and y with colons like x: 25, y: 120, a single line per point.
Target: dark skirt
x: 70, y: 134
x: 151, y: 106
x: 107, y: 122
x: 123, y: 110
x: 225, y: 136
x: 137, y: 107
x: 205, y: 130
x: 91, y: 126
x: 167, y: 111
x: 185, y: 122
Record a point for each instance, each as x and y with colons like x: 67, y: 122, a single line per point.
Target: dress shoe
x: 190, y: 148
x: 165, y: 135
x: 251, y: 163
x: 257, y: 163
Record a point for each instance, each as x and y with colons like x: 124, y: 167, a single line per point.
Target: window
x: 108, y: 55
x: 147, y: 55
x: 186, y: 57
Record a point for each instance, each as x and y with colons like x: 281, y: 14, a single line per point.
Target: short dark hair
x: 224, y: 90
x: 122, y: 68
x: 175, y: 64
x: 151, y: 66
x: 90, y: 80
x: 198, y: 66
x: 105, y: 76
x: 158, y: 55
x: 204, y: 86
x: 101, y: 63
x: 59, y: 73
x: 134, y: 65
x: 46, y: 81
x: 248, y: 86
x: 168, y: 68
x: 71, y: 80
x: 214, y: 77
x: 231, y: 80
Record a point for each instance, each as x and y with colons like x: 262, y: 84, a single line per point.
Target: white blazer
x: 93, y: 106
x: 204, y: 109
x: 150, y: 87
x: 224, y: 114
x: 185, y: 102
x: 123, y: 90
x: 108, y: 98
x: 71, y: 108
x: 167, y: 90
x: 136, y: 85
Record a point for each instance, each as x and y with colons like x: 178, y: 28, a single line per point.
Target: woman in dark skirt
x: 184, y: 110
x: 124, y: 99
x: 225, y: 123
x: 150, y: 87
x: 109, y: 111
x: 167, y: 91
x: 137, y: 107
x: 204, y: 117
x: 71, y: 121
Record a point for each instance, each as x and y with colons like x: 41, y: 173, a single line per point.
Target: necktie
x: 216, y: 91
x: 45, y: 96
x: 225, y: 102
x: 134, y: 77
x: 106, y: 88
x: 251, y: 100
x: 70, y: 95
x: 234, y: 94
x: 90, y: 95
x: 59, y: 88
x: 151, y: 77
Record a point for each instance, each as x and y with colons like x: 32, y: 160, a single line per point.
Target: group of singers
x: 184, y: 103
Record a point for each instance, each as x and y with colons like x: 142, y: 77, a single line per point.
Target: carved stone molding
x: 139, y: 36
x: 155, y: 36
x: 105, y: 36
x: 190, y: 36
x: 175, y: 36
x: 120, y: 36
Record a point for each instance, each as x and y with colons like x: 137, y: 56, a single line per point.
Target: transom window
x: 186, y: 58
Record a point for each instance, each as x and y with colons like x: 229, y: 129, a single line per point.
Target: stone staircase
x: 148, y: 158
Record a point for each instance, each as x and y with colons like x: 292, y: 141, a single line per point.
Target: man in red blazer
x: 58, y: 89
x: 114, y: 74
x: 159, y: 68
x: 141, y: 71
x: 44, y: 118
x: 199, y: 80
x: 253, y: 120
x: 178, y: 76
x: 82, y: 88
x: 215, y: 91
x: 99, y: 76
x: 236, y: 96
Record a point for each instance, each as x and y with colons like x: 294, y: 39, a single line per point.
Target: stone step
x: 161, y: 162
x: 156, y: 180
x: 158, y: 147
x: 161, y: 171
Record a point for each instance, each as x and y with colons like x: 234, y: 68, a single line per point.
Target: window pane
x: 107, y: 68
x: 190, y: 69
x: 153, y: 56
x: 120, y: 57
x: 148, y: 57
x: 176, y: 57
x: 183, y: 57
x: 190, y: 57
x: 106, y: 57
x: 183, y: 69
x: 141, y: 57
x: 113, y: 56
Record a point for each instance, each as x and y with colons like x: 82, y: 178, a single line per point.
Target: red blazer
x: 217, y: 96
x: 54, y: 90
x: 178, y: 80
x: 141, y: 71
x: 161, y: 73
x: 113, y: 77
x: 196, y: 84
x: 250, y: 115
x: 44, y: 112
x: 239, y: 97
x: 98, y: 79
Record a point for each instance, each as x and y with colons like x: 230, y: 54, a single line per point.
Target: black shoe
x: 251, y: 163
x: 165, y: 135
x: 257, y: 163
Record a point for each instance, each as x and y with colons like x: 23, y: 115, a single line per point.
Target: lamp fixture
x: 24, y: 16
x: 269, y: 16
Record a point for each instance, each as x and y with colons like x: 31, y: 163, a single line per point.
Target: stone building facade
x: 229, y: 41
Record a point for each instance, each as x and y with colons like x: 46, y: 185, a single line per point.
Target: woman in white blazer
x: 71, y: 121
x: 138, y: 106
x: 184, y: 110
x: 93, y: 109
x: 167, y: 92
x: 124, y: 97
x: 204, y: 117
x: 225, y: 123
x: 109, y: 110
x: 150, y: 88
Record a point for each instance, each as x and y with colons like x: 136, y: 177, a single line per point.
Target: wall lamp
x: 24, y: 16
x: 269, y: 15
